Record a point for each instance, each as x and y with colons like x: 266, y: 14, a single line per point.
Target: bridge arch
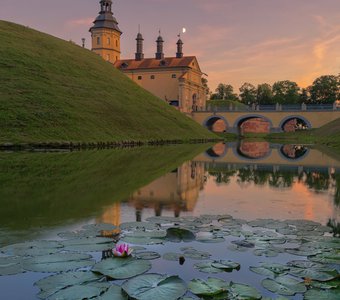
x: 212, y: 120
x: 238, y: 123
x: 245, y: 151
x: 301, y: 121
x: 293, y: 152
x: 218, y: 151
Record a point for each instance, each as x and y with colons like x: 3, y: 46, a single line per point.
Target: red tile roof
x: 152, y: 63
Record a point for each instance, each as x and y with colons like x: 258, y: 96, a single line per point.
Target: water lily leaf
x: 77, y: 292
x: 195, y: 254
x: 284, y: 286
x: 52, y: 284
x: 147, y: 255
x: 313, y: 274
x: 211, y: 286
x: 89, y: 244
x: 239, y: 291
x: 303, y: 251
x: 129, y: 226
x: 270, y: 269
x: 244, y: 244
x: 233, y: 247
x: 141, y: 240
x: 58, y: 262
x: 34, y: 248
x: 171, y: 256
x: 217, y: 266
x: 122, y: 268
x: 100, y: 227
x: 178, y: 235
x: 266, y: 252
x: 332, y: 284
x: 115, y: 292
x: 208, y: 237
x: 11, y: 265
x: 155, y: 286
x: 147, y: 234
x: 326, y: 257
x: 314, y: 294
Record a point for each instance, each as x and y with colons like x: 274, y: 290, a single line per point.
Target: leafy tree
x: 248, y: 93
x: 325, y: 89
x: 205, y: 84
x: 286, y: 92
x: 226, y: 92
x: 304, y: 96
x: 264, y: 94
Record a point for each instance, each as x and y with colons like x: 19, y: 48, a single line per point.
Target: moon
x: 184, y: 30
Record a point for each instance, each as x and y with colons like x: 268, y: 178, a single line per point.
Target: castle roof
x: 153, y: 63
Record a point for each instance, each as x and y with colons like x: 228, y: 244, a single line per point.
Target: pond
x: 261, y: 219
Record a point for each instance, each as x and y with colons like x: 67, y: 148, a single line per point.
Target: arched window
x: 108, y: 41
x: 98, y: 40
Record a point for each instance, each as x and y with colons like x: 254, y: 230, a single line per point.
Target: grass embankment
x: 227, y: 104
x: 55, y: 91
x: 60, y: 187
x: 328, y: 135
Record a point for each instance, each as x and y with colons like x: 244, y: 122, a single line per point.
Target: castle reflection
x: 177, y: 191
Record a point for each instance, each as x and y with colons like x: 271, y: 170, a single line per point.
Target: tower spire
x: 160, y: 42
x: 179, y: 53
x: 139, y: 39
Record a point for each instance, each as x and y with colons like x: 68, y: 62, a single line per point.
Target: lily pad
x: 33, y: 248
x: 58, y: 262
x: 11, y: 265
x: 122, y: 268
x: 115, y: 292
x: 172, y: 256
x: 52, y: 284
x: 238, y: 291
x: 147, y: 255
x: 332, y: 284
x: 326, y: 257
x: 266, y: 252
x: 155, y: 286
x: 178, y: 235
x: 129, y: 226
x: 212, y: 286
x: 88, y: 244
x: 315, y: 294
x: 147, y: 234
x: 141, y: 240
x: 217, y: 266
x: 284, y: 286
x: 270, y: 269
x: 100, y: 227
x: 77, y: 292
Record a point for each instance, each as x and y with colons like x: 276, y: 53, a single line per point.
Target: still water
x: 43, y: 194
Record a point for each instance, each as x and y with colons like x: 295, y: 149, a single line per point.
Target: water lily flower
x: 122, y: 250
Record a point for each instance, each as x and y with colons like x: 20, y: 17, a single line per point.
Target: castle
x: 177, y: 80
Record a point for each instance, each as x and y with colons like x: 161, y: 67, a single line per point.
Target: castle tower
x: 139, y: 52
x: 106, y: 34
x: 179, y: 53
x: 160, y: 42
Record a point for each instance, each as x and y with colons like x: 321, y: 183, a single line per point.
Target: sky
x: 235, y: 41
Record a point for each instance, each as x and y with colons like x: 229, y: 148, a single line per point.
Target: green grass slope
x: 53, y: 91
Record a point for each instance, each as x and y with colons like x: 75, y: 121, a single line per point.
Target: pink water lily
x: 122, y: 250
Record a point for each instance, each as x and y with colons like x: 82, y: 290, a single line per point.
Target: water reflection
x: 248, y: 180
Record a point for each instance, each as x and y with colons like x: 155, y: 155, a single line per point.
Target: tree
x: 304, y: 96
x: 264, y: 94
x: 205, y: 84
x: 226, y: 92
x: 286, y: 92
x: 325, y: 89
x: 248, y: 93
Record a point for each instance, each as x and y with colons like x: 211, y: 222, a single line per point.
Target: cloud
x: 80, y: 22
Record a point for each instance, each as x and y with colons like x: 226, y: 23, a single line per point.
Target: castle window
x: 140, y: 77
x: 174, y: 76
x: 124, y: 64
x: 108, y: 41
x: 108, y: 57
x: 98, y: 40
x: 152, y: 77
x: 116, y: 43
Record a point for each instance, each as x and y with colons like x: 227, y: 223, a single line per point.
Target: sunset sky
x: 236, y: 41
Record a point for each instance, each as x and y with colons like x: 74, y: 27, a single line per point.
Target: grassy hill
x: 55, y: 91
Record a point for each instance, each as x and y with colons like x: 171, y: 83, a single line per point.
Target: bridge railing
x: 274, y: 107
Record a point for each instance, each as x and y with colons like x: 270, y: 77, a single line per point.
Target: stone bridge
x: 267, y: 119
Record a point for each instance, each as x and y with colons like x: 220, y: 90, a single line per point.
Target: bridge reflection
x: 245, y: 163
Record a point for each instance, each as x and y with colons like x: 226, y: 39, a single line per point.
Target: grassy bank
x: 54, y: 91
x: 226, y: 103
